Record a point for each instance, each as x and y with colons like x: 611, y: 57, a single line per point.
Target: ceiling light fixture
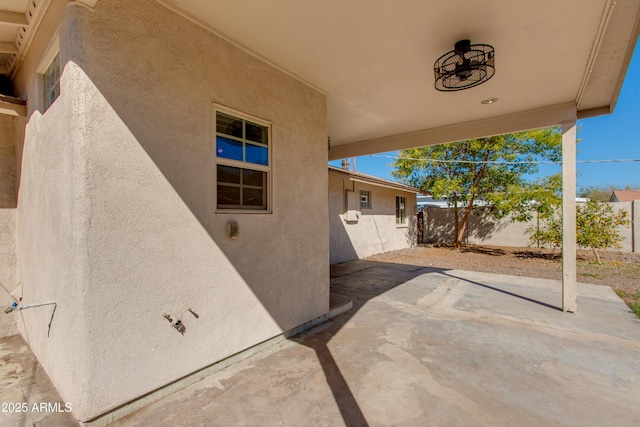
x: 466, y: 66
x: 489, y: 101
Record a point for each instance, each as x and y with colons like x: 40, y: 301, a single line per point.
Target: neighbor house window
x: 242, y: 161
x: 51, y: 82
x: 401, y: 215
x: 365, y: 199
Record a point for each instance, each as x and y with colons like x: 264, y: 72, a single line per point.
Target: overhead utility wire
x: 499, y: 162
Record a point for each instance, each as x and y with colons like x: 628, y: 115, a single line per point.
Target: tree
x: 596, y: 228
x: 601, y: 194
x: 486, y: 170
x: 542, y: 198
x: 548, y: 232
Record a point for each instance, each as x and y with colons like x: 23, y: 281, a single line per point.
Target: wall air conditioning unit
x: 352, y: 212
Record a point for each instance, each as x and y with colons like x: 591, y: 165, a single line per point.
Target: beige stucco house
x: 164, y: 185
x: 369, y: 215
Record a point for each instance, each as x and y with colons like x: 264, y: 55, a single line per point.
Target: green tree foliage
x: 548, y: 232
x: 539, y: 199
x: 596, y: 228
x: 439, y: 170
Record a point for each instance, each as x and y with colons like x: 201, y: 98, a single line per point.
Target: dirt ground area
x: 619, y: 270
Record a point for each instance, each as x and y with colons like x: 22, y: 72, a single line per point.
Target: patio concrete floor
x: 23, y: 384
x: 432, y: 347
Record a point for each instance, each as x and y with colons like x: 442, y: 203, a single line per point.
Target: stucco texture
x: 118, y: 220
x: 482, y: 229
x: 8, y: 136
x: 8, y: 283
x: 376, y: 230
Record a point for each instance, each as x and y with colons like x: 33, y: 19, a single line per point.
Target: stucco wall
x: 482, y: 229
x: 376, y: 230
x: 120, y: 199
x: 8, y: 138
x: 51, y: 224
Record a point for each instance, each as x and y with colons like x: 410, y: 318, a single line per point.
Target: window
x: 242, y: 161
x: 365, y: 199
x: 51, y: 81
x: 401, y: 217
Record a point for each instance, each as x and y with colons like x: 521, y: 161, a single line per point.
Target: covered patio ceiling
x: 555, y: 61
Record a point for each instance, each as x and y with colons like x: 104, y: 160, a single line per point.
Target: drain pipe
x: 20, y: 307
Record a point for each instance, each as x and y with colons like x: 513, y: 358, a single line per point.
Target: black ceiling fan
x: 466, y: 66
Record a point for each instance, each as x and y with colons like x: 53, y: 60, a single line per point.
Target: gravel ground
x: 619, y: 270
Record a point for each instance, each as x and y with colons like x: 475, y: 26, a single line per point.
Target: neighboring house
x: 624, y: 195
x: 428, y: 201
x: 164, y: 163
x: 425, y: 202
x: 368, y: 215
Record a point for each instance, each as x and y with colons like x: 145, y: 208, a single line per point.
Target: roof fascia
x: 533, y: 119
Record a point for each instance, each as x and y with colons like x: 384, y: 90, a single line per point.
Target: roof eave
x: 612, y: 55
x: 369, y: 179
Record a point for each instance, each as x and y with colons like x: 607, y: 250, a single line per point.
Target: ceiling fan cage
x: 466, y: 66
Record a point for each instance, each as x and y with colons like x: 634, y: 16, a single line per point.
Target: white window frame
x: 268, y: 197
x: 365, y: 199
x: 401, y: 211
x: 52, y: 52
x: 54, y: 88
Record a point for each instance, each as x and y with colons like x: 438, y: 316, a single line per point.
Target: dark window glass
x: 228, y: 125
x: 257, y: 133
x: 254, y: 178
x: 228, y: 174
x: 252, y: 197
x: 228, y: 195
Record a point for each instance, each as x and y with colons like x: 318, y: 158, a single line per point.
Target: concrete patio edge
x: 338, y: 305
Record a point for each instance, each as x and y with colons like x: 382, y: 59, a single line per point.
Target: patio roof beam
x: 13, y: 106
x: 533, y: 119
x: 569, y: 292
x: 13, y: 109
x: 13, y: 18
x: 8, y: 47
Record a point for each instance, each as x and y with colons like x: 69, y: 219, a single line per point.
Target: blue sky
x: 615, y: 136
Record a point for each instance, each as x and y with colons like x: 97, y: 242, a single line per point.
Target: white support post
x: 569, y: 288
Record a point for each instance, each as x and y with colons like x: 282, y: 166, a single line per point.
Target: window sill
x: 242, y: 211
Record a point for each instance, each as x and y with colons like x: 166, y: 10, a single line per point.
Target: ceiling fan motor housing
x: 464, y: 67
